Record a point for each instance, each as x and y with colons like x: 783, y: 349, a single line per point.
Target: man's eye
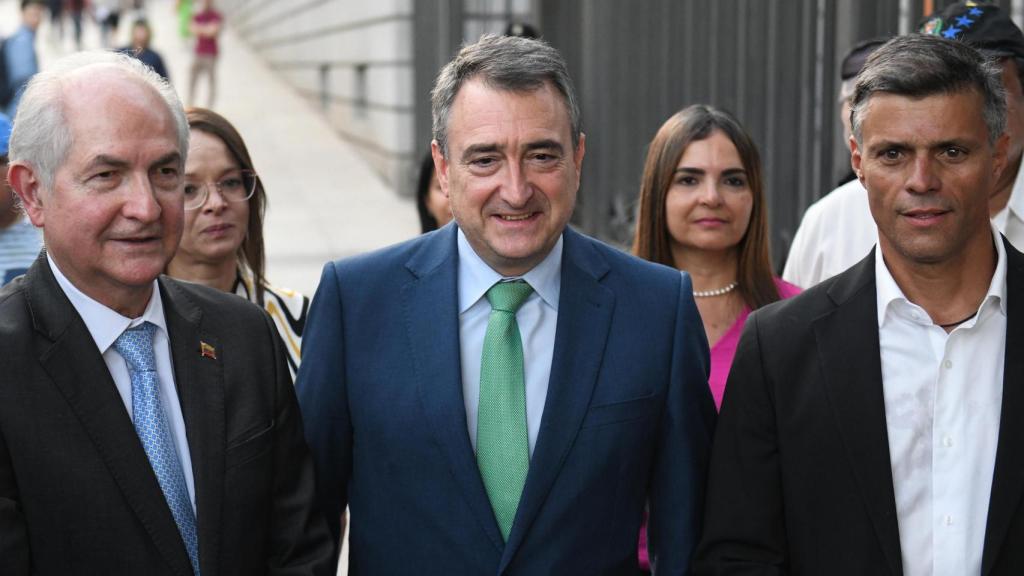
x: 954, y: 153
x: 483, y: 162
x: 892, y: 154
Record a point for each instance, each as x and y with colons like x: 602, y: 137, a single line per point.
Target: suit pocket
x: 619, y: 412
x: 250, y: 446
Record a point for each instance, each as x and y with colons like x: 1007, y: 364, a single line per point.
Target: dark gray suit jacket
x: 800, y: 479
x: 77, y: 494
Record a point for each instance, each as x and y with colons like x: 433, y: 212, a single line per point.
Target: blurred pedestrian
x: 206, y: 27
x: 20, y: 241
x: 837, y: 230
x: 222, y: 244
x: 56, y: 21
x: 139, y: 48
x: 183, y: 8
x: 703, y: 211
x: 75, y: 10
x: 431, y: 203
x: 107, y: 14
x: 20, y: 52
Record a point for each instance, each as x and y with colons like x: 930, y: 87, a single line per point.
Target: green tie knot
x: 509, y: 296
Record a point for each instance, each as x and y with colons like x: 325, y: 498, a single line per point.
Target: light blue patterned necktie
x: 135, y: 345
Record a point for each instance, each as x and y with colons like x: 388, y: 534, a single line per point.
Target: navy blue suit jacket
x: 627, y: 420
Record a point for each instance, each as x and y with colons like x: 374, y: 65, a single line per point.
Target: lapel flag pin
x: 207, y: 351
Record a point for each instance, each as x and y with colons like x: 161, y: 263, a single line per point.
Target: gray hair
x: 505, y: 63
x: 41, y: 137
x: 919, y: 65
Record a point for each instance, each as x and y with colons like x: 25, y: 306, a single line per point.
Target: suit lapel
x: 851, y: 364
x: 430, y: 304
x: 200, y: 386
x: 79, y: 372
x: 584, y: 318
x: 1008, y: 478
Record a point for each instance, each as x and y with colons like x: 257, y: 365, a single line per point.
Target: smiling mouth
x: 514, y: 218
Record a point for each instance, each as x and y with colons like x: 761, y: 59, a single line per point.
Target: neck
x: 1004, y: 188
x: 948, y: 291
x: 219, y: 275
x: 709, y: 270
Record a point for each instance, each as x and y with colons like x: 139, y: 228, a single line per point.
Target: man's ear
x: 440, y: 166
x: 856, y: 158
x: 26, y: 185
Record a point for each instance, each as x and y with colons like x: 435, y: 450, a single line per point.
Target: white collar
x: 889, y: 292
x: 105, y: 324
x: 476, y: 277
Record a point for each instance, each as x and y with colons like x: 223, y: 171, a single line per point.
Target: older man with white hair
x: 146, y: 426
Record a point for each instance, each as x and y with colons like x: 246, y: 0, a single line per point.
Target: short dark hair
x: 919, y: 65
x: 508, y: 63
x: 27, y: 3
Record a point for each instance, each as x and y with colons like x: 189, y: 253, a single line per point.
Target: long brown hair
x: 652, y: 242
x: 250, y: 253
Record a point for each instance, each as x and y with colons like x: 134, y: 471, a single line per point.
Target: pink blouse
x: 721, y: 361
x: 724, y: 350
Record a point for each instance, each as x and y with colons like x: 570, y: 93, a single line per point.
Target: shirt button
x: 947, y: 441
x: 948, y: 520
x: 947, y: 364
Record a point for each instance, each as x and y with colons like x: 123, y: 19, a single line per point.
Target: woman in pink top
x: 702, y: 210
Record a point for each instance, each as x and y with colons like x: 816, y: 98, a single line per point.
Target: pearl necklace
x: 715, y: 292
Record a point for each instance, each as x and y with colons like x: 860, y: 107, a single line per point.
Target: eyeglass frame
x: 205, y: 185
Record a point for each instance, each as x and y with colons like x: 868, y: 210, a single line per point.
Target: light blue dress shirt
x: 537, y: 319
x: 105, y: 325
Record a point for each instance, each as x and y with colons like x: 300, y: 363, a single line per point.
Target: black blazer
x: 77, y: 494
x: 800, y: 479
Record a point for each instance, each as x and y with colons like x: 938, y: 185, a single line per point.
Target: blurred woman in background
x: 222, y: 244
x: 702, y: 210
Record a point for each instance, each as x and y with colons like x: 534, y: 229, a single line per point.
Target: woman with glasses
x: 222, y: 244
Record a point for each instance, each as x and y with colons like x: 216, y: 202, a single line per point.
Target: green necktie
x: 502, y: 446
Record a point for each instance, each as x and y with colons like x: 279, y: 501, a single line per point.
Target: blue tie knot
x: 135, y: 345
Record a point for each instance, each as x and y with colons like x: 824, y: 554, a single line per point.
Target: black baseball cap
x: 857, y: 56
x: 984, y: 26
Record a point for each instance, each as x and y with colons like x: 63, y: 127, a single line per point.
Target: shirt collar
x: 105, y: 324
x: 476, y: 277
x: 889, y: 292
x: 1015, y: 204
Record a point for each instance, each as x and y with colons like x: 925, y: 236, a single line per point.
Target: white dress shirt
x: 943, y: 394
x: 838, y: 231
x: 105, y: 325
x: 537, y: 319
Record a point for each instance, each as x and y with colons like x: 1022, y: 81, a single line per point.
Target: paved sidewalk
x: 324, y: 200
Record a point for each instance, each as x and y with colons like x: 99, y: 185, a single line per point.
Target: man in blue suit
x: 505, y: 395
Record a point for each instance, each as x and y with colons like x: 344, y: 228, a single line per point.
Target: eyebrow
x: 546, y: 144
x: 701, y: 171
x: 113, y: 162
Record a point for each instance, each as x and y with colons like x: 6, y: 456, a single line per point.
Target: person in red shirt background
x: 206, y: 26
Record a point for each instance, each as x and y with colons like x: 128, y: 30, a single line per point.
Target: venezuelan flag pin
x: 207, y: 351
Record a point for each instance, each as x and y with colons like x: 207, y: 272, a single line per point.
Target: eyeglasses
x: 235, y: 186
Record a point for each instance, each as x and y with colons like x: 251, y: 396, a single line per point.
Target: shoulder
x: 423, y: 252
x: 835, y: 202
x: 217, y: 307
